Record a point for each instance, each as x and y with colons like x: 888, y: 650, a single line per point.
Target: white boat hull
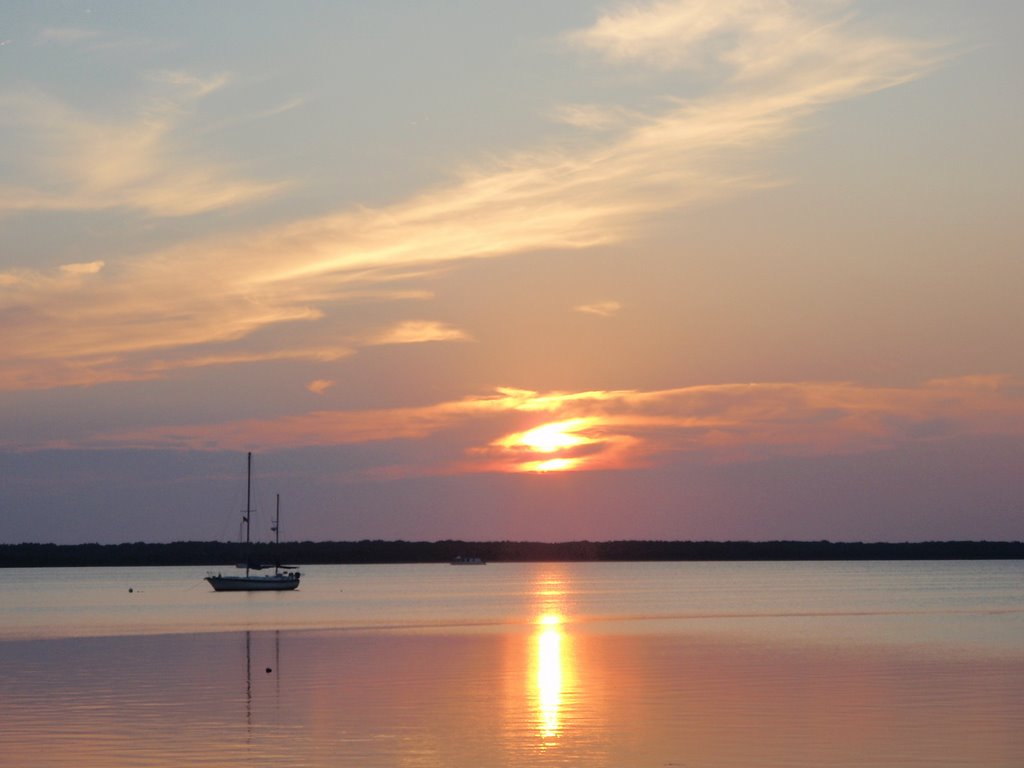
x: 270, y: 583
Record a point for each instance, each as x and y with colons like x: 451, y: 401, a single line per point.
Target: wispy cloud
x: 281, y: 109
x: 593, y: 117
x: 318, y: 354
x: 106, y: 368
x: 66, y: 35
x: 417, y: 332
x: 768, y: 65
x: 83, y: 268
x: 600, y: 308
x: 774, y: 42
x: 515, y: 430
x: 71, y: 160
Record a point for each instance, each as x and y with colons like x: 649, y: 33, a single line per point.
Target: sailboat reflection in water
x: 284, y: 577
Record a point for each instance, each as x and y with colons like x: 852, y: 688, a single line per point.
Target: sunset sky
x: 686, y: 269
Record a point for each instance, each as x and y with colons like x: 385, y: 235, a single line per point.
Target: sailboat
x: 284, y: 577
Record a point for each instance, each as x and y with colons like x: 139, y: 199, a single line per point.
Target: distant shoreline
x: 213, y: 553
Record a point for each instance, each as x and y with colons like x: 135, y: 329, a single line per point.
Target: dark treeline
x: 310, y: 552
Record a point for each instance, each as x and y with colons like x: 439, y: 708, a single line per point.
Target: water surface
x: 674, y: 664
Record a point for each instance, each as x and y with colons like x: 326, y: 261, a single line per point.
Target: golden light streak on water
x: 549, y: 675
x: 551, y: 663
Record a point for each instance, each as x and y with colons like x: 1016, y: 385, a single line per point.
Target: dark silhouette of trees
x: 210, y: 553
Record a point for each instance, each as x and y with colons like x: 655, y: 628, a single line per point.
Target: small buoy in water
x: 269, y: 670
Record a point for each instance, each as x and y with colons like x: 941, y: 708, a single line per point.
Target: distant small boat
x: 460, y: 560
x: 284, y: 577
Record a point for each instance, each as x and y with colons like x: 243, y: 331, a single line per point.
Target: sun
x: 551, y: 447
x: 550, y: 465
x: 553, y: 437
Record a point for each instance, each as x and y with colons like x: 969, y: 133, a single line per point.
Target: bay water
x: 794, y: 664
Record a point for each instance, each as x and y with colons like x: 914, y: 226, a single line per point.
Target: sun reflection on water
x: 549, y: 674
x: 551, y: 662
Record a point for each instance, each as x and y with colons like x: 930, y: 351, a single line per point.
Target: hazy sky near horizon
x: 686, y: 269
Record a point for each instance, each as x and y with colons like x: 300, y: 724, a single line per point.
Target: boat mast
x: 248, y: 507
x: 277, y: 534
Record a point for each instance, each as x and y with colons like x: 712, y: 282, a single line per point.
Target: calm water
x: 624, y: 664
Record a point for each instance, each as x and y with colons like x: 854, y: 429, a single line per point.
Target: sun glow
x: 557, y: 436
x: 550, y: 465
x: 565, y: 437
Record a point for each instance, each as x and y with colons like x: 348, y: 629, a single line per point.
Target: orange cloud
x: 603, y: 430
x: 417, y: 332
x: 589, y: 442
x: 319, y: 386
x: 87, y: 268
